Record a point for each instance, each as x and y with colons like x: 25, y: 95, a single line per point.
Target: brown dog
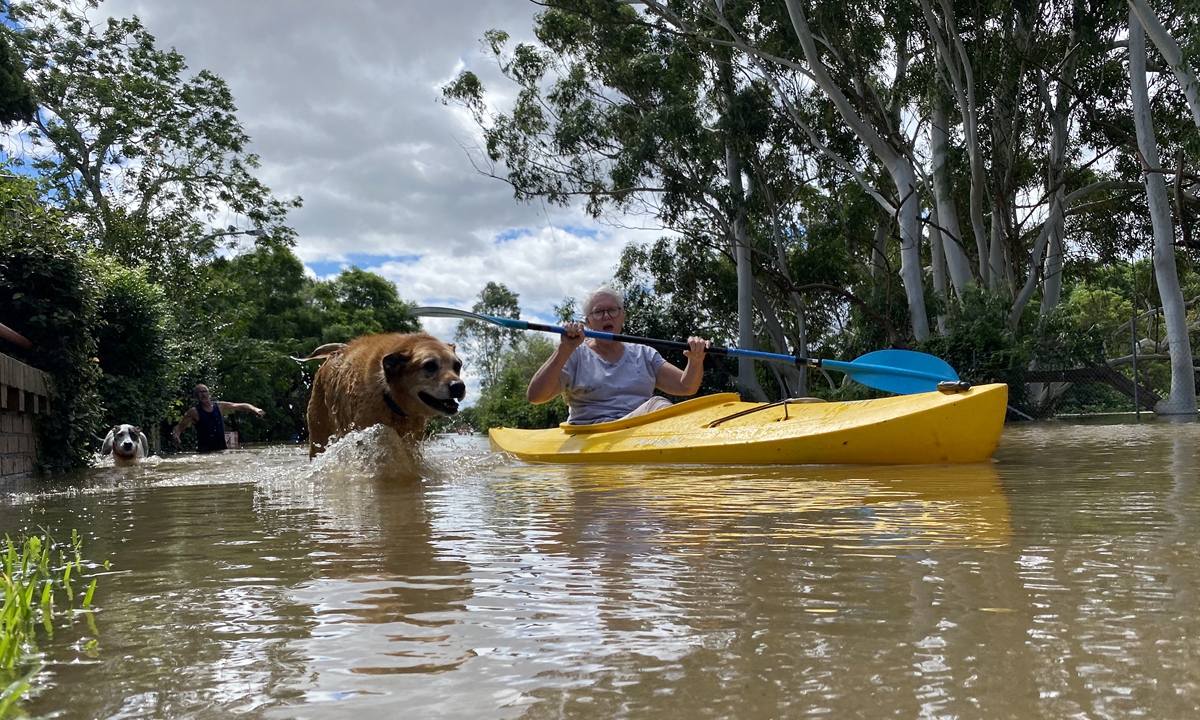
x: 398, y: 380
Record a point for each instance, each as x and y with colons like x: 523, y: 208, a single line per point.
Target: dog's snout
x: 458, y: 389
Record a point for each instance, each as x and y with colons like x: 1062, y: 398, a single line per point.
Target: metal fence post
x: 1137, y: 405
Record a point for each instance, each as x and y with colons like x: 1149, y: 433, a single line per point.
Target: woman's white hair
x: 589, y: 301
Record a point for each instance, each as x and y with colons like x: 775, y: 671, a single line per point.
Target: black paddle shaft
x: 672, y: 344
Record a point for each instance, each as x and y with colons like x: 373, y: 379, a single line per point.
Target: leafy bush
x: 48, y: 293
x: 978, y: 342
x: 503, y: 403
x: 135, y: 347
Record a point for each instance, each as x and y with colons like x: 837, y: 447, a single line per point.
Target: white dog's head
x: 126, y: 443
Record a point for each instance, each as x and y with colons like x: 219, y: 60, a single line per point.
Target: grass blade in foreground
x: 30, y: 579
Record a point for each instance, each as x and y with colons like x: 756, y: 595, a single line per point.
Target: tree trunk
x: 961, y: 81
x: 957, y: 261
x: 1171, y: 53
x: 897, y: 165
x: 937, y: 255
x: 747, y: 379
x: 1060, y: 130
x: 1050, y: 239
x: 1182, y: 398
x: 1006, y: 142
x: 775, y: 330
x: 996, y: 247
x: 800, y: 345
x: 910, y: 246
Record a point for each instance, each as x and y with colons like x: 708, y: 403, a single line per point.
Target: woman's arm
x: 545, y: 385
x: 674, y: 381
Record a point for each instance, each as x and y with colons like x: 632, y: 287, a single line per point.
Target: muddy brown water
x: 1059, y: 581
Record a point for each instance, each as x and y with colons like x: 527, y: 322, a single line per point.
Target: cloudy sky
x: 342, y: 101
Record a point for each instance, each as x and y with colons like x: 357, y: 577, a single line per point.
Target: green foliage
x: 358, y: 302
x: 135, y: 347
x: 42, y: 589
x: 49, y: 293
x: 129, y: 142
x: 982, y: 348
x: 16, y: 100
x: 483, y: 344
x: 503, y: 403
x: 978, y: 342
x: 1101, y: 313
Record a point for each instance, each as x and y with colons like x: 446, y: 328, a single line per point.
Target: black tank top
x: 210, y: 429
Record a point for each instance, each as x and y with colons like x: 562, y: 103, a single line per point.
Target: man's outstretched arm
x: 244, y: 407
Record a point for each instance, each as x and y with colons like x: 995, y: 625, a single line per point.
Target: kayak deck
x: 721, y: 429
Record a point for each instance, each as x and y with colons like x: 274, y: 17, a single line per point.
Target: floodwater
x: 1060, y: 581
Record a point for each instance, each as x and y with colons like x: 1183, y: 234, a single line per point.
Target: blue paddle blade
x: 899, y: 371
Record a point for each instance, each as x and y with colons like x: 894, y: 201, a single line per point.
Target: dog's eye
x: 430, y: 366
x: 457, y: 367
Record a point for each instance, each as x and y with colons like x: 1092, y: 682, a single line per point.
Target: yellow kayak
x: 720, y: 429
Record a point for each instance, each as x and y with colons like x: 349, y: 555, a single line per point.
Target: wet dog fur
x: 127, y: 444
x: 351, y: 390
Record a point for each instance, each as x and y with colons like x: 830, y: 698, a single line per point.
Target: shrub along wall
x: 48, y: 293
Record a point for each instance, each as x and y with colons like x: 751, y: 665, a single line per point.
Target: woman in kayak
x: 606, y: 380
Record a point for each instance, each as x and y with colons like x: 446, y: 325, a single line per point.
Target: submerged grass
x: 40, y: 580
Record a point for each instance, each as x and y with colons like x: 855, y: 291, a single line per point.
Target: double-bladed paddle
x: 900, y: 371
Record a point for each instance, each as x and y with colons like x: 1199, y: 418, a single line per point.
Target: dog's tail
x: 322, y: 352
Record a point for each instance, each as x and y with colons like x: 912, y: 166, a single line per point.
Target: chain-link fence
x: 1042, y: 393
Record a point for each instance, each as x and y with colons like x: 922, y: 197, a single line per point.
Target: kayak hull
x: 720, y: 429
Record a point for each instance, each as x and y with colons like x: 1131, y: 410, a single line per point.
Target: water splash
x: 374, y: 453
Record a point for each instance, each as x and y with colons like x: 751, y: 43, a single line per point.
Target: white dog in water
x: 127, y: 444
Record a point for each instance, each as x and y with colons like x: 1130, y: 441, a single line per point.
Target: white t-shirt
x: 599, y: 391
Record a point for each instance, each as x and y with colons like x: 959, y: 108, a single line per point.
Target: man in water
x: 210, y: 425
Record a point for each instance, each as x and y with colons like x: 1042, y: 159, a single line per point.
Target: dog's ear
x: 394, y: 364
x: 106, y: 446
x: 453, y: 347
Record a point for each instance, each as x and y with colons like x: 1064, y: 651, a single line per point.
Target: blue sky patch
x: 512, y: 234
x: 325, y: 268
x: 581, y: 231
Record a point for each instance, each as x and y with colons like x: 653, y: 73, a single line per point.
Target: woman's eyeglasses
x: 606, y: 313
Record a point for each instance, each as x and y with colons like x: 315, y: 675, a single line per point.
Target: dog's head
x: 422, y: 376
x: 125, y: 441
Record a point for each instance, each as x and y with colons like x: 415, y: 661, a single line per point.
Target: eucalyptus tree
x: 956, y: 75
x: 485, y: 344
x: 1182, y: 397
x: 128, y: 142
x: 628, y: 118
x: 1178, y: 59
x: 844, y: 60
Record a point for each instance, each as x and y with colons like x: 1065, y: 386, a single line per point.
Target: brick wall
x: 18, y: 453
x: 22, y: 396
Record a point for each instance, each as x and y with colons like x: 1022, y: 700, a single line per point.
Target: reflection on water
x: 1059, y: 581
x: 691, y: 509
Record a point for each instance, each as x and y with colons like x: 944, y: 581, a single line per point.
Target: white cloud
x: 343, y: 105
